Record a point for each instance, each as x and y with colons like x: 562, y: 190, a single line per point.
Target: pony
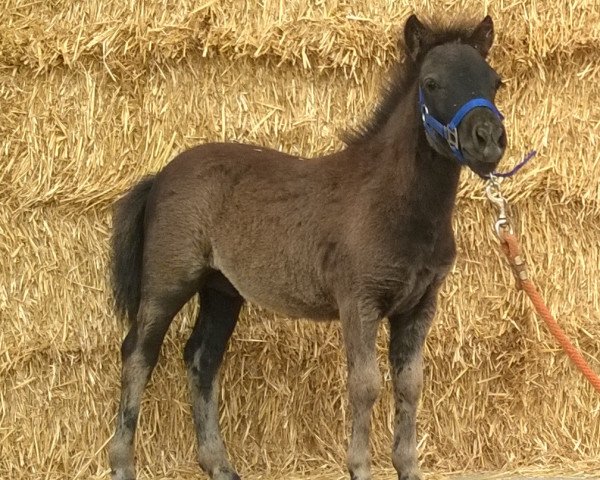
x: 363, y: 234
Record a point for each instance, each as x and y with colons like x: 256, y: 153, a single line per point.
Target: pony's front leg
x: 364, y: 382
x: 407, y: 336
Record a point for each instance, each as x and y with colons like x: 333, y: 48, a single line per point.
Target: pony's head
x: 457, y: 88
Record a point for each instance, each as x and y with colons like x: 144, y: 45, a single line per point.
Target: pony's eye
x: 431, y: 84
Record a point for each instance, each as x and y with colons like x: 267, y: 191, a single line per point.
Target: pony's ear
x: 482, y: 37
x: 416, y: 37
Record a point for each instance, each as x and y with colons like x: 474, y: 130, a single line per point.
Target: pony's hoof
x: 411, y: 476
x: 226, y: 476
x: 123, y: 474
x: 363, y: 475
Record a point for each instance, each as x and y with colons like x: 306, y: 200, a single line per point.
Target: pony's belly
x: 295, y: 301
x: 286, y: 303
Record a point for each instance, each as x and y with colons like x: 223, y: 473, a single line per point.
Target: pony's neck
x: 435, y: 180
x: 415, y: 170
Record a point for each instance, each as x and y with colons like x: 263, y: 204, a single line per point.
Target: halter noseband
x: 450, y: 132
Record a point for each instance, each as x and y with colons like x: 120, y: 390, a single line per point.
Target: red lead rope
x: 511, y: 248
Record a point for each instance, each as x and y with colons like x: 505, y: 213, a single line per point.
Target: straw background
x: 95, y: 94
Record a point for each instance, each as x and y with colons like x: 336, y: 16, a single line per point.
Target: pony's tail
x: 127, y: 245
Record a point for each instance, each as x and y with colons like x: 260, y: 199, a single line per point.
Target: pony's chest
x: 410, y: 287
x: 408, y: 274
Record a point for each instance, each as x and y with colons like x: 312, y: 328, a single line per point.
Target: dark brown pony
x: 361, y: 235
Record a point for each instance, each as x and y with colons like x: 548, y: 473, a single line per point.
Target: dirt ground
x: 389, y: 475
x: 573, y: 473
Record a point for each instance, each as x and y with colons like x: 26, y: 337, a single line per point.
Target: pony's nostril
x: 500, y: 138
x: 482, y: 136
x: 488, y: 134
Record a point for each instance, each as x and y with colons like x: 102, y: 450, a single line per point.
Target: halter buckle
x: 452, y: 137
x: 424, y: 113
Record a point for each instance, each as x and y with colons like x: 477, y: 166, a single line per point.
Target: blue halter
x: 450, y: 132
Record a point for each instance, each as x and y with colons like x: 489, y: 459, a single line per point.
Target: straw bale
x: 93, y: 95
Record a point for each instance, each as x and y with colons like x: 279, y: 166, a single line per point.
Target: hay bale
x: 95, y: 94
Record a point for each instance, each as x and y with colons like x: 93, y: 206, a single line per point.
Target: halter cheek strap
x: 450, y: 132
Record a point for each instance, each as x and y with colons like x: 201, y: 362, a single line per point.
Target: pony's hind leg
x: 204, y: 351
x: 140, y: 352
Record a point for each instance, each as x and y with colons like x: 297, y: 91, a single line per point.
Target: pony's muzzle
x: 490, y: 140
x: 485, y: 139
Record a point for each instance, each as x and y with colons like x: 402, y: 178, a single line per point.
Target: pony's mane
x: 403, y: 74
